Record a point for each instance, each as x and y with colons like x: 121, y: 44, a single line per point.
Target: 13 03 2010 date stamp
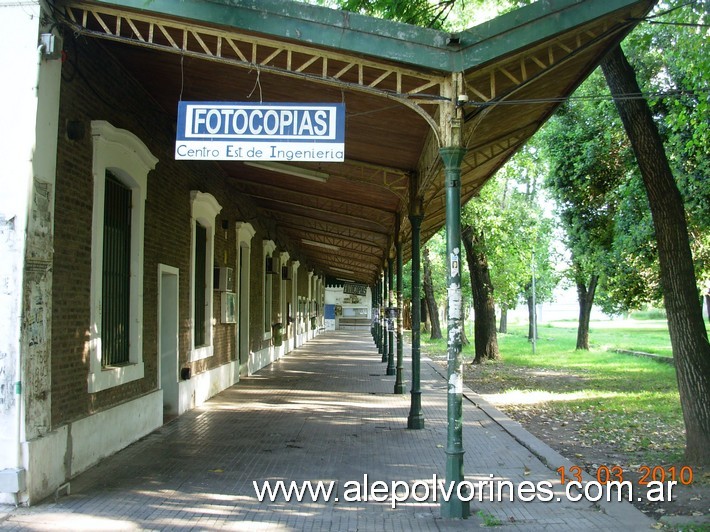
x: 653, y: 483
x: 645, y: 473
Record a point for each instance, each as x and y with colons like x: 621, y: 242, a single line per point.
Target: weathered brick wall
x: 95, y: 87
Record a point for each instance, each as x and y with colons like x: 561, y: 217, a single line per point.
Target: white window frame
x: 204, y: 209
x: 269, y: 246
x: 127, y: 158
x: 283, y: 297
x: 245, y: 232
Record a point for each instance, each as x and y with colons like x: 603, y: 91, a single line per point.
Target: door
x: 168, y: 292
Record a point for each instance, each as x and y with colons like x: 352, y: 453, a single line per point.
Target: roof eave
x: 531, y: 24
x: 320, y: 26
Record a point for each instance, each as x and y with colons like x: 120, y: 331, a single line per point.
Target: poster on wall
x: 355, y: 289
x: 329, y: 311
x: 247, y: 131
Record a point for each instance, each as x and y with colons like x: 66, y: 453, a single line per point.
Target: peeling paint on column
x: 454, y: 299
x: 455, y: 383
x: 37, y: 312
x: 40, y: 241
x: 36, y: 346
x: 454, y: 332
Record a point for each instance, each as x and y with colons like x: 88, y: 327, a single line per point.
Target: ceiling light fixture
x: 320, y: 244
x: 341, y: 270
x: 290, y: 170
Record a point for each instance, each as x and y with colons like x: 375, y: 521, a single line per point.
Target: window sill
x: 110, y: 377
x: 200, y: 353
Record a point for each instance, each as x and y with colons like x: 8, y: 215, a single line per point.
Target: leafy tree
x: 689, y: 338
x: 682, y: 110
x: 504, y: 231
x: 425, y: 13
x: 589, y: 160
x: 631, y: 274
x: 511, y: 272
x: 627, y: 243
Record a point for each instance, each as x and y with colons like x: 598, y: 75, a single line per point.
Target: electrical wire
x: 649, y: 19
x: 674, y: 8
x: 684, y: 24
x: 598, y: 97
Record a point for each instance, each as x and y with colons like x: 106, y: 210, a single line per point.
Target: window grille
x: 200, y: 285
x: 116, y: 285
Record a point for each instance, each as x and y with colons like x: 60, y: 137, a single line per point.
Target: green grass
x: 624, y: 399
x: 488, y: 519
x: 621, y: 399
x: 648, y: 336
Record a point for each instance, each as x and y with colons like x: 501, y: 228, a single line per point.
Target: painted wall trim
x: 85, y: 442
x: 200, y: 387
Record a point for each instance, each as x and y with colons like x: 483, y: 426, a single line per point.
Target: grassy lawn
x: 617, y: 400
x: 597, y: 408
x: 649, y: 336
x: 622, y: 399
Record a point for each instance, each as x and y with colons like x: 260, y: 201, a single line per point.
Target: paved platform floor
x: 325, y: 412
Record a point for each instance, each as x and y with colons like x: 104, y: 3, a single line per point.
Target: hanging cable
x: 257, y: 83
x: 598, y: 97
x: 182, y: 75
x: 685, y: 24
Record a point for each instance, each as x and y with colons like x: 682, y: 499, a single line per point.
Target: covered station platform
x: 324, y: 413
x: 140, y: 284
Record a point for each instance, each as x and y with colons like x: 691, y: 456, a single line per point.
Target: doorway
x: 168, y: 312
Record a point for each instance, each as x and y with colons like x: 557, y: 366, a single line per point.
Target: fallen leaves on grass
x: 593, y: 426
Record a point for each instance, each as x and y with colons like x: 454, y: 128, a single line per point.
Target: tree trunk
x: 464, y: 338
x: 689, y: 338
x: 503, y: 325
x: 407, y: 315
x: 426, y: 325
x: 585, y: 295
x: 532, y: 319
x: 428, y: 287
x: 484, y: 325
x: 707, y: 304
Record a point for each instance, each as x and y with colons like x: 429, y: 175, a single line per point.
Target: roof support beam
x: 411, y: 88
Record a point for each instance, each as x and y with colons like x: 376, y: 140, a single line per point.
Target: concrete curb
x: 658, y: 358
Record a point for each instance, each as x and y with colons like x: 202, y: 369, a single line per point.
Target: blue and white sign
x: 243, y: 131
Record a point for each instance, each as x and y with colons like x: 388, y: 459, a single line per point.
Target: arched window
x: 204, y: 208
x: 267, y: 299
x: 120, y: 167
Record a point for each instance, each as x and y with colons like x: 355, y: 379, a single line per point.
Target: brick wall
x: 95, y: 87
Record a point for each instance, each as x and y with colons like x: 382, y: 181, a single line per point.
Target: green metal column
x: 399, y: 383
x: 390, y: 304
x: 454, y: 507
x: 379, y: 316
x: 375, y: 318
x: 415, y: 420
x: 384, y: 317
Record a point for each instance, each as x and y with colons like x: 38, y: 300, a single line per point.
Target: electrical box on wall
x: 224, y: 279
x: 229, y: 307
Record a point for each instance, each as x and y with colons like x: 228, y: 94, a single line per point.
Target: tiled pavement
x: 324, y: 412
